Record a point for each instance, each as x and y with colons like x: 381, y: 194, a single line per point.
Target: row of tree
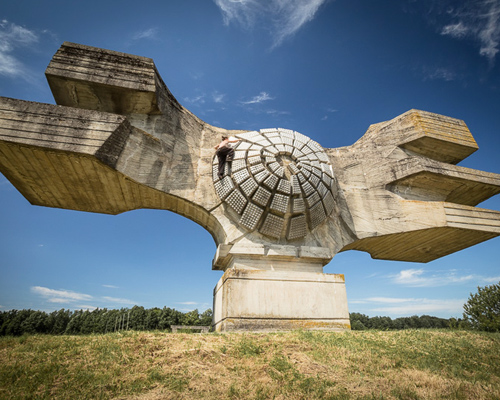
x: 361, y: 322
x: 481, y: 312
x: 18, y: 322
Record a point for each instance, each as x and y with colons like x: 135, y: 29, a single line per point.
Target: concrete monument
x: 118, y: 140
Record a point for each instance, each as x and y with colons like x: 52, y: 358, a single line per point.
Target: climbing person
x: 225, y: 153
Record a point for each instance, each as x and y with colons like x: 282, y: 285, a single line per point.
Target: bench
x: 203, y: 329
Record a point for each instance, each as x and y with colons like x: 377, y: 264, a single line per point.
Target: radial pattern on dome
x: 279, y: 183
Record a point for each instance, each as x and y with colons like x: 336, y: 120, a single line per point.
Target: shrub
x: 482, y: 310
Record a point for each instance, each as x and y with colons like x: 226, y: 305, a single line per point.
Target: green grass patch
x: 423, y: 364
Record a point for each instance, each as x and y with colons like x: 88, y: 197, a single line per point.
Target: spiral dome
x: 280, y: 183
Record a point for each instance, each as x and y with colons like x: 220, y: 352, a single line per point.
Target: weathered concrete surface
x: 274, y: 300
x: 118, y: 140
x: 406, y: 203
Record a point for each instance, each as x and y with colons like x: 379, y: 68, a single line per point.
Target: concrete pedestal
x: 274, y: 300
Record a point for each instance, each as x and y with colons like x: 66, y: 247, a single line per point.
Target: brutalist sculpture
x: 119, y: 140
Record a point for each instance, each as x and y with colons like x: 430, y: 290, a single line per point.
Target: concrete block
x: 276, y: 300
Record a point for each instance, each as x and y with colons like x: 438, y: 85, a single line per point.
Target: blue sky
x: 327, y: 69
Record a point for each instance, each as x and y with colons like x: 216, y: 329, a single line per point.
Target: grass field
x: 411, y: 364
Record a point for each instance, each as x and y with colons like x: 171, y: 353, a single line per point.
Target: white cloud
x: 61, y: 295
x: 150, y: 33
x: 110, y: 286
x: 455, y: 30
x: 200, y: 99
x: 292, y: 15
x: 409, y: 277
x: 285, y: 17
x: 86, y: 307
x: 187, y: 303
x: 439, y: 73
x: 491, y: 279
x: 218, y: 97
x: 58, y: 300
x: 197, y: 75
x: 422, y: 278
x: 243, y: 11
x: 263, y: 96
x: 118, y: 300
x: 391, y: 300
x: 479, y: 20
x: 12, y: 37
x: 416, y: 306
x: 329, y: 110
x: 277, y: 112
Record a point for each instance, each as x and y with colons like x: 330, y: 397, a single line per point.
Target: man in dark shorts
x: 225, y: 152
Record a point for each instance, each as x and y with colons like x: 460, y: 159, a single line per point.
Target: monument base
x: 263, y: 300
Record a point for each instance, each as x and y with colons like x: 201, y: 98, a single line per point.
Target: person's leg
x: 229, y: 160
x: 222, y: 163
x: 222, y: 155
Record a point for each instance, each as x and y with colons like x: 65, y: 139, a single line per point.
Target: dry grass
x: 292, y: 365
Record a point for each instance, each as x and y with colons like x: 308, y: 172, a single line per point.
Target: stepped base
x: 261, y: 300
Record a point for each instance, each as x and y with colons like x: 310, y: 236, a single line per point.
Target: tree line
x: 481, y: 312
x: 361, y: 322
x: 19, y: 322
x: 100, y: 320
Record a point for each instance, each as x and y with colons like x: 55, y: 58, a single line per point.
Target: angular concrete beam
x: 431, y: 135
x: 60, y: 128
x: 67, y: 158
x: 452, y: 228
x: 87, y: 77
x: 429, y: 180
x: 400, y: 192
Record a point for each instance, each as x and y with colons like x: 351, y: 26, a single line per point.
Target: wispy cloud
x: 424, y: 278
x: 285, y: 17
x: 261, y: 97
x: 457, y: 31
x: 479, y: 20
x: 413, y: 306
x: 12, y: 37
x: 330, y: 111
x: 277, y: 112
x: 60, y: 295
x: 119, y: 300
x: 86, y: 307
x: 151, y: 33
x: 191, y: 305
x: 293, y: 15
x: 110, y: 286
x: 243, y: 12
x: 197, y: 75
x: 439, y: 73
x: 218, y: 97
x: 491, y: 279
x: 200, y: 99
